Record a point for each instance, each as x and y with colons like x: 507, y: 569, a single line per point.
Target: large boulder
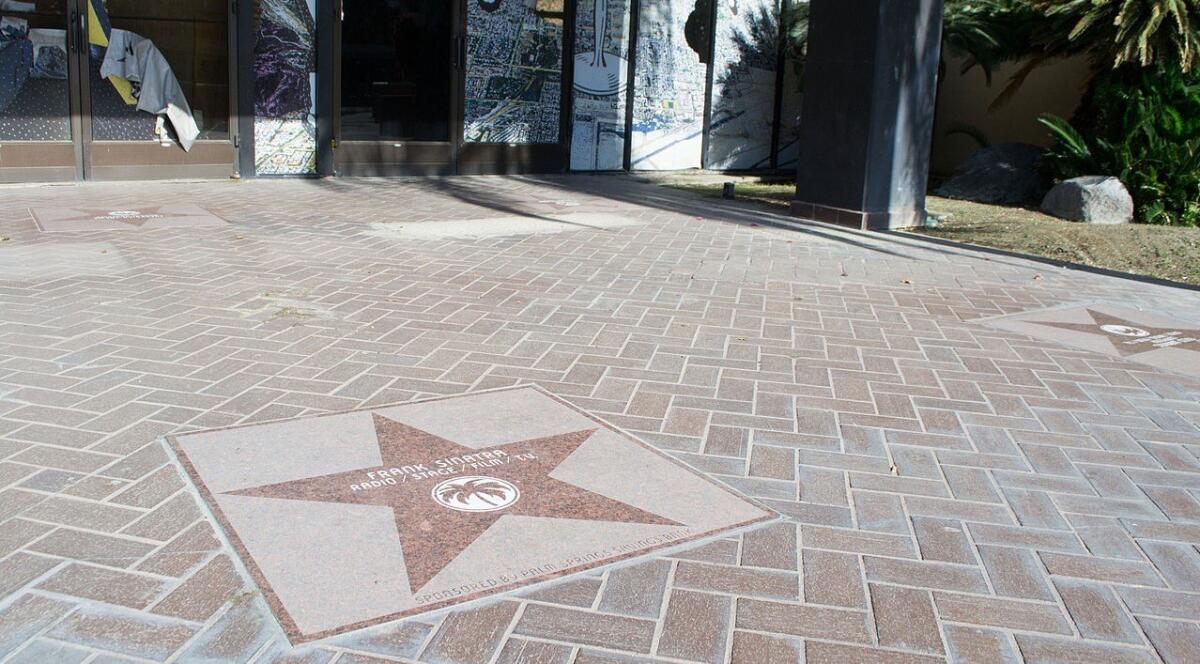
x: 1094, y: 199
x: 1003, y: 174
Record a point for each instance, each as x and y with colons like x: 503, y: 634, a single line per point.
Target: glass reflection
x: 795, y: 25
x: 396, y: 70
x: 35, y: 101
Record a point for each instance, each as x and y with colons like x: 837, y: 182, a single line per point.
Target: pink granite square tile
x: 352, y: 519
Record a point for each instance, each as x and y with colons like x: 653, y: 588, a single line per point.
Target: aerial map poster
x: 669, y: 84
x: 743, y: 92
x: 601, y: 82
x: 514, y: 71
x: 285, y: 72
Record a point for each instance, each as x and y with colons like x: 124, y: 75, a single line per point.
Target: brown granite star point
x: 1129, y: 337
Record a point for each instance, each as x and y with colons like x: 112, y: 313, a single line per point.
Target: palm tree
x: 1120, y: 32
x: 987, y: 32
x: 992, y: 32
x: 1113, y: 33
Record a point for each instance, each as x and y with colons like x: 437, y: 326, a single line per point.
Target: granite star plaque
x: 357, y: 518
x: 1141, y: 336
x: 183, y: 215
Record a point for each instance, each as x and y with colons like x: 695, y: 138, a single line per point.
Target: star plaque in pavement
x: 51, y: 219
x: 352, y: 519
x: 1145, y: 337
x: 1130, y: 337
x: 458, y: 509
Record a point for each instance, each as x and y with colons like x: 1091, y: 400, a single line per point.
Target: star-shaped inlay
x: 434, y: 531
x: 1129, y: 337
x: 171, y: 215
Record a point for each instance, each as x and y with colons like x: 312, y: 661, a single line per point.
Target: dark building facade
x: 109, y: 89
x: 136, y: 89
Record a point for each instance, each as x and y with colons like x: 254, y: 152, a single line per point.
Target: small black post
x: 635, y: 8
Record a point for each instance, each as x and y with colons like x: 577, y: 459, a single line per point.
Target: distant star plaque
x: 180, y: 215
x: 1141, y: 336
x: 357, y: 518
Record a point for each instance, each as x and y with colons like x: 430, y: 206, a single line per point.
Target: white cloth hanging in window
x: 139, y: 61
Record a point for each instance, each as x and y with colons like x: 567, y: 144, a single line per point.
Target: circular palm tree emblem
x: 476, y: 494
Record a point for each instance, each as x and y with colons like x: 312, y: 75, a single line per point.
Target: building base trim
x: 858, y: 219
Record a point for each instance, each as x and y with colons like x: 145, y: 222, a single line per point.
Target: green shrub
x: 1143, y: 126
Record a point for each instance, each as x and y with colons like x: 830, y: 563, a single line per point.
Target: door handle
x: 73, y: 41
x: 82, y: 31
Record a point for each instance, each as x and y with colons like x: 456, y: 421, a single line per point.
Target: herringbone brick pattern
x: 951, y: 492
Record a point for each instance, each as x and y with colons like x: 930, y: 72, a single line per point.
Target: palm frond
x: 1066, y: 135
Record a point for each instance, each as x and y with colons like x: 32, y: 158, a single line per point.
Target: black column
x: 243, y: 13
x: 329, y: 19
x: 867, y: 119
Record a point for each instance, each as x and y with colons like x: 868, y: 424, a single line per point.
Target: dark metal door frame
x: 77, y: 65
x: 328, y: 19
x: 783, y: 11
x: 243, y: 69
x: 709, y: 74
x: 635, y: 16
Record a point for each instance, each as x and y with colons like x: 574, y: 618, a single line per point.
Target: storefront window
x: 35, y: 98
x: 159, y: 70
x: 745, y: 58
x: 669, y: 84
x: 514, y: 71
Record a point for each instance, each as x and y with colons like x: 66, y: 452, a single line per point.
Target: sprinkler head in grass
x: 932, y: 219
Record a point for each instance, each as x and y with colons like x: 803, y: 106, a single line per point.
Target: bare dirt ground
x: 1164, y: 252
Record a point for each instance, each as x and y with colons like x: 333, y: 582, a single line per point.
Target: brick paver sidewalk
x: 952, y: 488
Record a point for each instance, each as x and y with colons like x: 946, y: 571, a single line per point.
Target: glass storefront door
x: 115, y: 89
x: 395, y: 103
x: 39, y: 115
x: 157, y: 97
x: 449, y: 86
